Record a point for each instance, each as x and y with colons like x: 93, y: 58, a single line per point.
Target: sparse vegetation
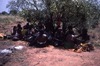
x: 9, y: 18
x: 75, y: 12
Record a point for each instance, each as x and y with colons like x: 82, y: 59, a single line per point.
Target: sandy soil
x: 50, y: 56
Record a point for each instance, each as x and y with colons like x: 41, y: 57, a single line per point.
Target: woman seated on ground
x: 19, y: 27
x: 14, y: 30
x: 69, y: 42
x: 41, y: 40
x: 41, y: 26
x: 29, y: 35
x: 58, y: 38
x: 27, y: 26
x: 82, y: 42
x: 17, y: 32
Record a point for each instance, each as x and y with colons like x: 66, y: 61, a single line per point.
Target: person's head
x: 18, y: 25
x: 28, y: 20
x: 27, y: 23
x: 14, y: 27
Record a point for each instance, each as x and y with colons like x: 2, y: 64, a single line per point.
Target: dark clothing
x: 69, y: 42
x: 27, y: 26
x: 41, y: 40
x: 14, y: 30
x: 84, y: 37
x: 71, y: 32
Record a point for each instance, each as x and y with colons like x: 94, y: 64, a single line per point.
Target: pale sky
x: 3, y: 4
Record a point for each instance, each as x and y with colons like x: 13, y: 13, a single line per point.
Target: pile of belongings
x: 2, y: 35
x: 83, y: 47
x: 11, y: 49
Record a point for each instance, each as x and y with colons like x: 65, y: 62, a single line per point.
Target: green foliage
x: 33, y: 15
x: 13, y: 12
x: 80, y: 13
x: 4, y: 13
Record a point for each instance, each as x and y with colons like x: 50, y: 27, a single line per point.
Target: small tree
x: 13, y: 12
x: 4, y: 13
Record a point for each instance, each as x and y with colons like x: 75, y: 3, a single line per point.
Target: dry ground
x: 48, y: 56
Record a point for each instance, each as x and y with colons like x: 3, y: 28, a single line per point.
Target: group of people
x: 43, y: 34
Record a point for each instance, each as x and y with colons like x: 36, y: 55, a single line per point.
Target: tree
x: 80, y: 13
x: 4, y: 13
x: 13, y: 12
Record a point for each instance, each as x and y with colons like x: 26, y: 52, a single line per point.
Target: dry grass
x: 9, y: 18
x: 7, y: 23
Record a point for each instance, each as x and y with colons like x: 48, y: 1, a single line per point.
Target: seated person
x: 49, y: 37
x: 84, y: 36
x: 15, y: 36
x: 70, y: 31
x: 41, y: 40
x: 41, y: 26
x: 69, y: 42
x: 58, y: 38
x: 69, y: 34
x: 29, y: 35
x: 27, y: 26
x: 19, y: 27
x: 82, y: 42
x: 17, y: 32
x: 14, y: 30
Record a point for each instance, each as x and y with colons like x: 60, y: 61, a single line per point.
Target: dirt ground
x: 48, y: 56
